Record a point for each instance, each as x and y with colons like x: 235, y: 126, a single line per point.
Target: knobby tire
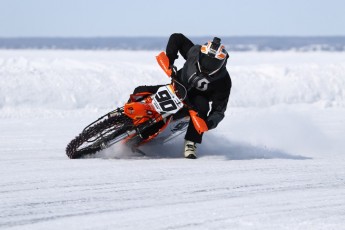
x: 94, y: 136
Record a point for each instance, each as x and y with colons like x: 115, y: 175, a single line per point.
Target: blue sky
x: 85, y: 18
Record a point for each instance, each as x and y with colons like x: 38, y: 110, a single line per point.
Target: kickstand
x: 136, y: 150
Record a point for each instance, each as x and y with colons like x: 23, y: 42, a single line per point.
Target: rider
x: 206, y: 79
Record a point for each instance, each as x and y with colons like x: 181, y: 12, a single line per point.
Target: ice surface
x: 275, y: 162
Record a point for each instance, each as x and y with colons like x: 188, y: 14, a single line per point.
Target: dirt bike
x: 143, y: 118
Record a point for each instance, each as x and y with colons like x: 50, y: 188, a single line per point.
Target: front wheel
x: 95, y: 136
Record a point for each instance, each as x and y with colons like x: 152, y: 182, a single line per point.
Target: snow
x: 275, y: 162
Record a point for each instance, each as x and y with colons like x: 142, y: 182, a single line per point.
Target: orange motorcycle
x: 146, y: 116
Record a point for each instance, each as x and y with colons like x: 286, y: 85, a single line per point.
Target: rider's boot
x: 189, y: 149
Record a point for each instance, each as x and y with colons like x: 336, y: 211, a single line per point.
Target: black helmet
x: 212, y: 56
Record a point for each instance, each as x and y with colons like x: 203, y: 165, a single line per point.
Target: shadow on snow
x: 213, y: 145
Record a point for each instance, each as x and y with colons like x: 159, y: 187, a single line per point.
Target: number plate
x: 166, y: 102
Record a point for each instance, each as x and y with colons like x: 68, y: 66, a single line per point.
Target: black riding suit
x: 215, y: 88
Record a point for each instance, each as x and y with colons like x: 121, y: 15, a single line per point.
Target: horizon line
x: 160, y: 36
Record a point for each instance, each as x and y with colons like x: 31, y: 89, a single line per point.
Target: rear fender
x: 138, y: 96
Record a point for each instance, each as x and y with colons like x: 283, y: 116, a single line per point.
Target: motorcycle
x: 162, y: 116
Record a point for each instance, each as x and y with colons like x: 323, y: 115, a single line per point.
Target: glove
x: 210, y: 124
x: 214, y: 119
x: 193, y: 82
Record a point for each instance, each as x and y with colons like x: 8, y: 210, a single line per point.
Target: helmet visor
x: 209, y: 64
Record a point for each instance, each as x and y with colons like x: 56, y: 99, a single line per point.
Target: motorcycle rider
x: 206, y: 79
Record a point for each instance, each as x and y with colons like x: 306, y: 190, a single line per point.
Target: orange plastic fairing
x: 163, y: 61
x: 141, y: 112
x: 199, y: 123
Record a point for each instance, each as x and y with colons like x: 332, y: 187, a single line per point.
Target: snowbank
x: 48, y: 80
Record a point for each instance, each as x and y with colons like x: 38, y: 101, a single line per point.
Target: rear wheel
x: 94, y: 136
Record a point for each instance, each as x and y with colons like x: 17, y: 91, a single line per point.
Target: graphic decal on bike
x: 166, y: 101
x: 180, y: 126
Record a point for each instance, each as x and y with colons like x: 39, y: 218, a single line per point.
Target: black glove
x: 210, y: 124
x: 214, y: 119
x: 193, y: 81
x: 171, y: 57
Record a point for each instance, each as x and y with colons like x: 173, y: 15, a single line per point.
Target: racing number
x: 162, y: 96
x: 164, y: 99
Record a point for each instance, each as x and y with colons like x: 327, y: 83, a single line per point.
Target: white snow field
x: 277, y: 161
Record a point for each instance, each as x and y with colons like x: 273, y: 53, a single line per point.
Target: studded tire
x: 92, y: 138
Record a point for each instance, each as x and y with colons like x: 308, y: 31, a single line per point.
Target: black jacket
x: 215, y: 88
